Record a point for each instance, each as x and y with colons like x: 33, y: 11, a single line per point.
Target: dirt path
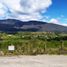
x: 34, y: 61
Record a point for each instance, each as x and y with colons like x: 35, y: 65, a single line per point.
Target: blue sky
x: 54, y: 11
x: 58, y: 10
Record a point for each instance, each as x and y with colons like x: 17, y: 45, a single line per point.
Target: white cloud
x: 34, y: 5
x: 2, y: 10
x: 55, y: 21
x: 12, y: 4
x: 64, y: 24
x: 25, y: 9
x: 34, y: 16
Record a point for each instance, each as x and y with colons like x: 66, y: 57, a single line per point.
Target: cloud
x: 34, y: 16
x: 64, y: 25
x: 24, y: 9
x: 2, y: 11
x: 55, y: 21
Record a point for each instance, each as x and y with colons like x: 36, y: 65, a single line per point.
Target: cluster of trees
x: 33, y: 43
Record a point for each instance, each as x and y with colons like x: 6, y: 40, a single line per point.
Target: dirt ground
x: 34, y: 61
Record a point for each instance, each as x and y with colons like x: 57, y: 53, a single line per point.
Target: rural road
x: 34, y: 61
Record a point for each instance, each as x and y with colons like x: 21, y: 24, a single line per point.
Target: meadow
x: 33, y: 43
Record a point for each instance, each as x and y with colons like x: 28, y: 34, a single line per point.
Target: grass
x: 33, y: 43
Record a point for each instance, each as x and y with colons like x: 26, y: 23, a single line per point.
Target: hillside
x: 13, y: 25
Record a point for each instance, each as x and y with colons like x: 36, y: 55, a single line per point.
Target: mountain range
x: 13, y: 26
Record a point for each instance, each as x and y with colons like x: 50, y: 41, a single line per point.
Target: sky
x: 51, y: 11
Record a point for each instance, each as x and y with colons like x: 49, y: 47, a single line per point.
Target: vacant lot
x: 34, y: 61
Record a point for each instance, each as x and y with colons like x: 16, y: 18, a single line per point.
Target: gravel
x: 34, y: 61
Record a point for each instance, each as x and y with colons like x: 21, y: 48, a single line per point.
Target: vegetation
x: 33, y: 43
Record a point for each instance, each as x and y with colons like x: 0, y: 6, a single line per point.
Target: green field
x: 33, y: 43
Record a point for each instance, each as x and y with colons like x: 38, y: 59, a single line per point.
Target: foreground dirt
x: 34, y: 61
